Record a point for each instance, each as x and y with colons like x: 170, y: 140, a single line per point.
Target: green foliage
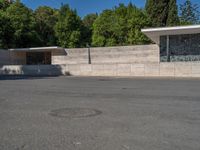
x: 23, y: 25
x: 4, y: 4
x: 137, y: 20
x: 6, y: 31
x: 189, y: 13
x: 162, y: 12
x: 46, y: 19
x: 172, y: 19
x: 120, y: 26
x: 68, y: 28
x: 87, y: 30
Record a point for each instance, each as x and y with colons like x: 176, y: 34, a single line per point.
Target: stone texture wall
x: 173, y: 69
x: 128, y: 61
x: 33, y: 70
x: 115, y: 70
x: 109, y: 55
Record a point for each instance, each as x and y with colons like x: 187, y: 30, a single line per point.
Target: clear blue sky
x: 85, y: 7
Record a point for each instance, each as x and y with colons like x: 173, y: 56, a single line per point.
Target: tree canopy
x: 68, y: 28
x: 121, y: 25
x: 189, y: 13
x: 23, y: 24
x: 162, y: 12
x: 46, y: 19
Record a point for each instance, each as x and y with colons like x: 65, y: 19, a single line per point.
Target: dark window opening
x: 181, y: 48
x: 38, y: 58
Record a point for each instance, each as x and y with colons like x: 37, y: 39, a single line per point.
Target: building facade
x: 176, y: 53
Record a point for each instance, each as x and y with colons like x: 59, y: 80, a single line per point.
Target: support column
x: 168, y: 50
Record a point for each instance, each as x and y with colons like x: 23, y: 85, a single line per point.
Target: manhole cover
x: 75, y: 112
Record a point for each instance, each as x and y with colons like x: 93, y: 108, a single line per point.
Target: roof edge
x: 36, y: 48
x: 171, y: 28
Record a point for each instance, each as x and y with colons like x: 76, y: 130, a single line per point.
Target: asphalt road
x: 74, y: 113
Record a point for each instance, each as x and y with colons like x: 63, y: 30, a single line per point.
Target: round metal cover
x: 75, y: 112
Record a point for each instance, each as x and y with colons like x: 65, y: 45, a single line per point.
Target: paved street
x: 82, y: 113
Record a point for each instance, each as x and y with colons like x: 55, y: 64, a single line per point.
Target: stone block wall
x: 109, y: 55
x: 173, y: 69
x: 115, y: 70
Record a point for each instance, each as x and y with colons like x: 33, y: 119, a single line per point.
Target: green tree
x: 23, y: 24
x: 46, y: 19
x: 68, y: 28
x: 6, y: 31
x: 162, y: 12
x: 189, y: 13
x: 4, y: 4
x: 157, y: 11
x: 88, y: 22
x: 104, y: 25
x: 120, y: 26
x: 172, y: 18
x: 137, y: 20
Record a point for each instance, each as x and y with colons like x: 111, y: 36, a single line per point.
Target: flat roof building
x: 180, y: 43
x: 35, y: 56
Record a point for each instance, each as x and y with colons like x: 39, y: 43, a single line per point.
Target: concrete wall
x: 117, y: 70
x: 128, y: 61
x: 33, y: 70
x: 109, y: 55
x: 12, y: 58
x: 4, y: 57
x: 143, y: 70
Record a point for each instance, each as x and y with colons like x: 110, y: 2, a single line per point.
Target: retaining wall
x: 33, y: 70
x: 118, y: 70
x: 144, y: 70
x: 109, y: 55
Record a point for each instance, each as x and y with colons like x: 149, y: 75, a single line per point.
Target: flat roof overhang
x: 155, y: 33
x: 37, y: 49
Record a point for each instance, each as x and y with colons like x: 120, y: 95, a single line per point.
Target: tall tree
x: 88, y: 22
x: 157, y: 11
x: 6, y: 31
x: 137, y: 20
x: 172, y: 18
x: 104, y: 25
x: 189, y: 13
x: 162, y: 12
x: 4, y: 4
x: 46, y: 19
x: 120, y: 26
x: 23, y: 24
x: 68, y: 28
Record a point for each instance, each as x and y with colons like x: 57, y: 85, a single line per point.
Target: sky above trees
x: 85, y: 7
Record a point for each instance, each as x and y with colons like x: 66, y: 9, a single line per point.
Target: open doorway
x: 38, y: 58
